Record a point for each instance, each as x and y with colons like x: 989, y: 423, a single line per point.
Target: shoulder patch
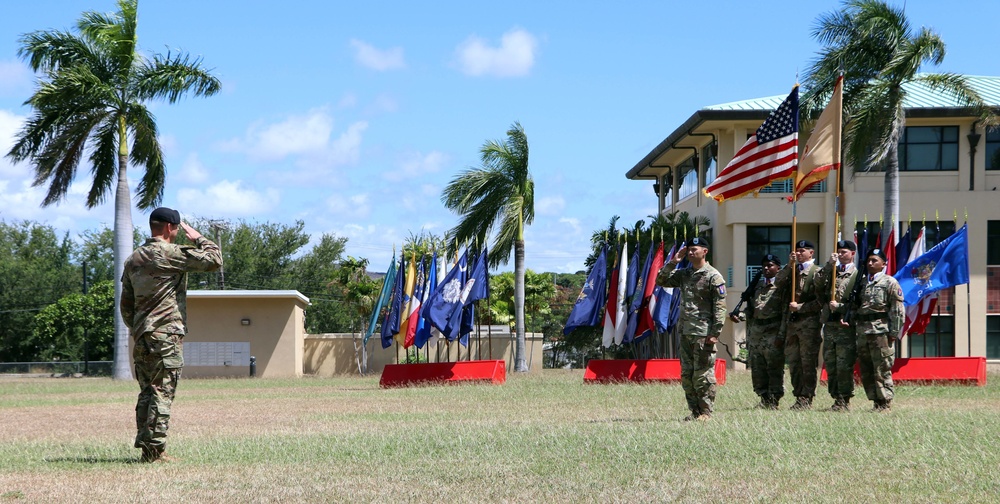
x: 722, y: 290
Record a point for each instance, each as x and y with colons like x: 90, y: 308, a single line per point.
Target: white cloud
x: 417, y: 165
x: 10, y: 124
x: 513, y: 58
x: 168, y: 143
x: 550, y: 205
x: 573, y: 222
x: 227, y: 199
x: 307, y: 138
x: 384, y: 103
x: 295, y: 135
x: 193, y: 171
x: 349, y: 100
x: 349, y: 208
x: 377, y: 59
x: 15, y: 77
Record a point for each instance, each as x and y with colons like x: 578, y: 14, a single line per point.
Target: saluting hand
x: 680, y: 255
x: 190, y: 232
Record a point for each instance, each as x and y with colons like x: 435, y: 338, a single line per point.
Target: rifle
x: 855, y: 296
x: 747, y: 296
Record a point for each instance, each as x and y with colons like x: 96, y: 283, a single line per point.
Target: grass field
x: 541, y: 437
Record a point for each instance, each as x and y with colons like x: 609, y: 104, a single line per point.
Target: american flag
x: 771, y: 154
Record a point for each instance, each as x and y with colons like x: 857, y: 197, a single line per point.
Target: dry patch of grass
x: 543, y: 436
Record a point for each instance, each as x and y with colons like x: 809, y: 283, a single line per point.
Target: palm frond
x: 104, y: 162
x: 171, y: 76
x: 146, y: 152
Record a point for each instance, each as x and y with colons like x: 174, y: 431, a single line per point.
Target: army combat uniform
x: 840, y: 348
x: 879, y: 317
x: 154, y: 307
x: 802, y: 330
x: 766, y: 341
x: 703, y: 311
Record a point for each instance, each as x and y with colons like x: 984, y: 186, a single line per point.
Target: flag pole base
x: 442, y: 373
x: 642, y: 370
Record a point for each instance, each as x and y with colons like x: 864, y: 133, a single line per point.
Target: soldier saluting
x: 703, y: 312
x: 154, y: 307
x: 879, y: 315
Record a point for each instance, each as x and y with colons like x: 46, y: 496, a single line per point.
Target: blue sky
x: 352, y: 116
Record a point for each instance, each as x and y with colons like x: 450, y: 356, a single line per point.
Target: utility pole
x: 86, y: 333
x: 220, y: 225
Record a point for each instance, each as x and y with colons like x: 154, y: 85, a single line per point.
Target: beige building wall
x: 337, y: 354
x: 272, y: 322
x: 921, y: 193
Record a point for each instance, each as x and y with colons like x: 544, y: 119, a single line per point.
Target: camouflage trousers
x: 698, y: 374
x: 802, y: 342
x: 158, y: 361
x: 875, y: 357
x: 840, y: 353
x: 767, y: 358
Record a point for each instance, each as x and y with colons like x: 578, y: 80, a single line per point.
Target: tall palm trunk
x: 520, y: 363
x: 122, y: 249
x: 890, y: 207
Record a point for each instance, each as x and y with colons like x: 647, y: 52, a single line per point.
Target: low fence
x: 89, y: 368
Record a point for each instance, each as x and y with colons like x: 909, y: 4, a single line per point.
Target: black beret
x: 847, y: 244
x: 699, y: 241
x: 164, y: 214
x: 804, y: 244
x: 876, y: 252
x: 770, y: 258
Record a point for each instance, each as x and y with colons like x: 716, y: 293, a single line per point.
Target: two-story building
x: 949, y: 165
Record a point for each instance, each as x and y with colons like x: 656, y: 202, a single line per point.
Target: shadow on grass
x: 95, y: 460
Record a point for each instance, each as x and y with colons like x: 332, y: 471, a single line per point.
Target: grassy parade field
x: 541, y: 437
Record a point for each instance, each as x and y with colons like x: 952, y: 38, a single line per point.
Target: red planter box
x: 961, y: 370
x: 648, y: 370
x: 402, y: 375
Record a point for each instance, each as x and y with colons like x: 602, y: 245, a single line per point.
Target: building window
x: 929, y: 148
x: 786, y: 187
x: 711, y: 166
x: 763, y: 240
x: 937, y: 341
x: 689, y: 179
x: 993, y: 243
x: 993, y: 337
x: 993, y: 149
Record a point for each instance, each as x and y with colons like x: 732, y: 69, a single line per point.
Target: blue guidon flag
x: 945, y: 265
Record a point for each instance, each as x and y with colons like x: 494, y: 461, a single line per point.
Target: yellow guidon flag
x: 822, y: 151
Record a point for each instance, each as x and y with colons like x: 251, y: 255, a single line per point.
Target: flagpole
x: 968, y: 304
x: 795, y: 201
x: 836, y: 228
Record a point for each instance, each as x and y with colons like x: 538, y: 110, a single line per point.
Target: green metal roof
x: 918, y: 95
x: 920, y: 101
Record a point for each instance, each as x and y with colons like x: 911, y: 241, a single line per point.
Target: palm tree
x: 500, y: 192
x: 879, y: 53
x: 93, y: 90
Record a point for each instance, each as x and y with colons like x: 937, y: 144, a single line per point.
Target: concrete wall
x: 334, y: 354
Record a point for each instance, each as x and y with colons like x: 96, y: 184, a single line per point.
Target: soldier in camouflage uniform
x: 703, y: 311
x: 765, y: 336
x: 154, y: 307
x: 879, y: 317
x: 840, y: 348
x: 802, y: 325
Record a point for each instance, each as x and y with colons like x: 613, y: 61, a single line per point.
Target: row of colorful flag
x: 421, y: 309
x: 634, y: 307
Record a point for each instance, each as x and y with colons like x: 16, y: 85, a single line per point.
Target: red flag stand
x: 438, y: 373
x: 943, y: 370
x: 642, y: 370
